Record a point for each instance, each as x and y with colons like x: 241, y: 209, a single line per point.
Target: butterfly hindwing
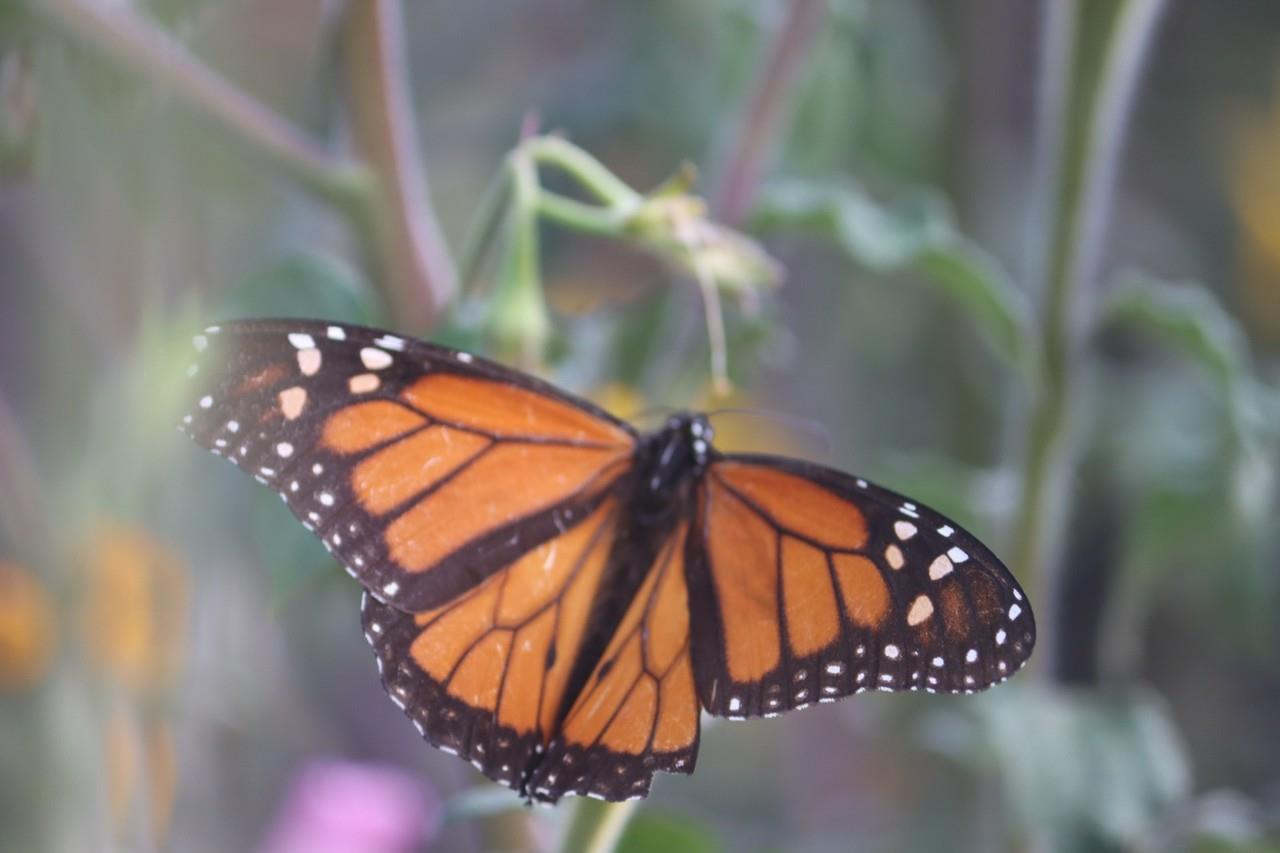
x: 484, y: 676
x: 637, y: 712
x: 421, y: 468
x: 816, y: 584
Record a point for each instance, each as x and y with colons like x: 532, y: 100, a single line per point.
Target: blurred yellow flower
x: 27, y: 633
x: 1255, y: 192
x: 619, y: 399
x: 134, y: 616
x: 132, y: 748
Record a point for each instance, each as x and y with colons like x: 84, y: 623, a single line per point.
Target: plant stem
x: 129, y: 42
x: 406, y: 235
x: 587, y: 170
x: 1094, y: 51
x: 597, y: 827
x: 759, y: 122
x: 23, y: 502
x: 585, y: 218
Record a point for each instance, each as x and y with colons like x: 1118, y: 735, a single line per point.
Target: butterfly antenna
x: 649, y: 412
x: 810, y: 426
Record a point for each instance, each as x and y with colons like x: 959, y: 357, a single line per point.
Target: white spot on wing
x: 1014, y: 612
x: 946, y: 530
x: 292, y: 401
x: 374, y: 358
x: 957, y: 555
x: 309, y: 361
x: 363, y: 383
x: 904, y: 529
x: 893, y: 556
x: 391, y: 588
x: 390, y: 342
x: 300, y: 340
x: 284, y: 450
x: 336, y: 333
x: 892, y: 652
x: 921, y: 609
x: 940, y: 568
x: 464, y: 357
x: 206, y: 401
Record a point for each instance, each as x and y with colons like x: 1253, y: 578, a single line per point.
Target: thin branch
x: 755, y: 136
x: 131, y: 43
x: 22, y: 496
x: 419, y: 270
x: 1080, y: 147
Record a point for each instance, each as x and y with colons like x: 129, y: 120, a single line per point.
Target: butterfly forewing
x: 379, y: 444
x: 816, y: 585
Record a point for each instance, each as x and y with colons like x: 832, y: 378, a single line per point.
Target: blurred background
x: 1030, y: 274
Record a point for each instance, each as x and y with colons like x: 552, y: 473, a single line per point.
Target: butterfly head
x: 680, y: 449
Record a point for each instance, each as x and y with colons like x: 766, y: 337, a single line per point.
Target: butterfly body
x: 555, y: 597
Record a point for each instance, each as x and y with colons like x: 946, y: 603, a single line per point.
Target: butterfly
x: 555, y: 597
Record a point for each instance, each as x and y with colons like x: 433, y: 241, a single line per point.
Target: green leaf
x: 1085, y: 768
x: 1187, y: 318
x: 651, y: 830
x: 304, y: 284
x: 918, y: 236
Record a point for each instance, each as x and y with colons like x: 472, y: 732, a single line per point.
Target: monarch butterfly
x: 555, y: 597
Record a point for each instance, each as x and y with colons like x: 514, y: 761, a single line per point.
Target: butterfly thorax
x: 670, y: 457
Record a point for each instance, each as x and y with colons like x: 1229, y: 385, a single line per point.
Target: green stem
x: 586, y: 218
x: 597, y: 827
x: 1094, y: 51
x: 403, y: 234
x: 585, y: 169
x: 129, y: 42
x: 759, y: 122
x: 487, y: 220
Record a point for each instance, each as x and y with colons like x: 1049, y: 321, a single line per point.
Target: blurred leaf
x: 1086, y: 768
x: 1186, y: 317
x: 304, y: 284
x: 917, y: 235
x: 292, y: 557
x: 651, y: 830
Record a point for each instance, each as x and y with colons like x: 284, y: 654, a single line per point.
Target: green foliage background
x: 1030, y: 276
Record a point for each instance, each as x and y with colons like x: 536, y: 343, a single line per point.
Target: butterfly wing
x: 484, y: 677
x: 638, y: 711
x: 810, y: 584
x: 422, y: 469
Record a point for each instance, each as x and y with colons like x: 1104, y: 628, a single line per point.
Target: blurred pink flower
x: 348, y: 807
